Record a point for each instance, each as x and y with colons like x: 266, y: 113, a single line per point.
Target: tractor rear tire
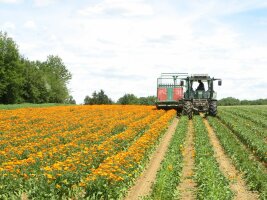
x: 213, y: 108
x: 188, y: 109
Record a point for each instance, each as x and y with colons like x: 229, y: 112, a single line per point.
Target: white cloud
x: 122, y: 56
x: 206, y: 8
x: 263, y: 22
x: 125, y: 54
x: 10, y: 1
x: 8, y: 26
x: 119, y: 7
x: 30, y: 24
x: 43, y: 3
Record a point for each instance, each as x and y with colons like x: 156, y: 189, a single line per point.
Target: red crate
x: 178, y: 94
x: 162, y: 94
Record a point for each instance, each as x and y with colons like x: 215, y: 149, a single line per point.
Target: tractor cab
x: 200, y: 87
x: 200, y: 95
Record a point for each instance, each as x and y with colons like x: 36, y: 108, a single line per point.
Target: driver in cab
x: 200, y: 86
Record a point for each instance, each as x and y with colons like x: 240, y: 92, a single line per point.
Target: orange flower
x: 62, y: 141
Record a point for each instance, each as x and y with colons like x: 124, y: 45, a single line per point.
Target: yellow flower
x: 65, y: 181
x: 47, y: 168
x: 170, y: 167
x: 82, y: 184
x: 49, y: 176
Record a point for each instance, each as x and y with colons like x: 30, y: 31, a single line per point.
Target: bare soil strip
x: 237, y: 184
x: 187, y: 186
x: 143, y: 184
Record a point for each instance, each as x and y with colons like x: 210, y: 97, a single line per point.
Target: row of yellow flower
x: 47, y: 152
x: 51, y: 123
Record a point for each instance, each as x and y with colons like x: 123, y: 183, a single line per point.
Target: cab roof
x: 199, y: 77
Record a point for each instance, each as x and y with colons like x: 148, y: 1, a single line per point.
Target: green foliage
x: 128, y: 99
x: 253, y: 119
x: 253, y: 171
x: 34, y: 90
x: 230, y: 101
x: 254, y: 102
x: 252, y: 136
x: 97, y: 99
x: 260, y: 110
x: 150, y: 100
x: 56, y: 77
x: 70, y: 100
x: 212, y: 184
x: 27, y: 105
x: 22, y: 80
x: 131, y: 99
x: 11, y: 79
x: 168, y: 177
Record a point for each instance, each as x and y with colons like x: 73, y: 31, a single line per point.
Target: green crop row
x: 212, y: 184
x: 258, y: 131
x: 259, y: 120
x: 254, y: 173
x: 259, y: 110
x: 256, y: 123
x: 30, y: 105
x: 246, y: 135
x: 169, y: 174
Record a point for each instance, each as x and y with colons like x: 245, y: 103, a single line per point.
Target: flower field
x: 98, y: 152
x: 80, y: 151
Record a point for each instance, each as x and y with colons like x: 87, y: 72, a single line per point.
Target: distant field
x: 28, y: 105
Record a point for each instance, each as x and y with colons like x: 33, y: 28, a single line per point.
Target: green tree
x: 150, y: 100
x: 128, y: 99
x: 22, y: 80
x: 87, y: 100
x: 229, y: 101
x: 56, y: 76
x: 11, y: 78
x: 254, y: 102
x: 97, y: 98
x: 70, y: 100
x: 34, y: 90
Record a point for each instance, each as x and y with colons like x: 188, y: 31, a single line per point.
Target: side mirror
x: 220, y: 82
x: 182, y: 83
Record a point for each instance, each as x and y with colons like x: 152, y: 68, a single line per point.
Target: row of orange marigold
x: 77, y: 146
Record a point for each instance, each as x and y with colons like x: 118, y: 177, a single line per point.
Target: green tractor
x: 175, y: 91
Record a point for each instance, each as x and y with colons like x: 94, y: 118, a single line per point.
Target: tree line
x: 127, y: 99
x: 23, y: 80
x: 231, y: 101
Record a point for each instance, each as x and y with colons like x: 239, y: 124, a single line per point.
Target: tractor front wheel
x: 188, y: 109
x: 213, y: 108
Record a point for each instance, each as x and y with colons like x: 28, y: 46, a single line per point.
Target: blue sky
x: 122, y: 46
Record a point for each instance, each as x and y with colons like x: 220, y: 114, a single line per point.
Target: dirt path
x: 143, y: 184
x: 187, y: 187
x: 237, y: 184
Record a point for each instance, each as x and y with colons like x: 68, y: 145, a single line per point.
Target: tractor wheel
x: 213, y: 108
x: 188, y: 109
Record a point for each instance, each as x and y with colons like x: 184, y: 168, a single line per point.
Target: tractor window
x: 196, y: 85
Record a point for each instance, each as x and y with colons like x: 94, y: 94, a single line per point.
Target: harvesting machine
x: 175, y: 91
